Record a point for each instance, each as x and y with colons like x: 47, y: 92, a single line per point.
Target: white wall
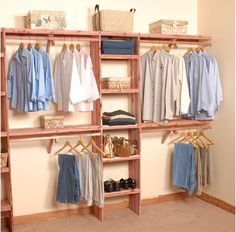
x: 34, y: 172
x: 220, y: 23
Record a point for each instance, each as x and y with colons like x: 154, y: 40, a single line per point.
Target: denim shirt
x: 21, y: 81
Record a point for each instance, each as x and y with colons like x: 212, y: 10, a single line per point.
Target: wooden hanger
x: 66, y: 144
x: 37, y: 46
x: 72, y: 47
x: 29, y: 46
x: 204, y: 136
x: 196, y: 137
x: 190, y: 50
x: 64, y: 47
x: 91, y: 142
x: 80, y: 143
x: 78, y: 47
x: 21, y: 46
x: 183, y: 138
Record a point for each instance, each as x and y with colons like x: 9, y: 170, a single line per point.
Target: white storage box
x: 37, y: 19
x: 168, y: 27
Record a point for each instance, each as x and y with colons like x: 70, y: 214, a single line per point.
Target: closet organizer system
x: 133, y: 96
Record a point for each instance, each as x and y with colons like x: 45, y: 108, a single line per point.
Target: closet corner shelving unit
x: 134, y: 195
x: 134, y: 131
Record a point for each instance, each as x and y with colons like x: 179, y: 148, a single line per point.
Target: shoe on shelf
x: 132, y: 183
x: 124, y: 183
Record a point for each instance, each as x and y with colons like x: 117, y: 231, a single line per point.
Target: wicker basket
x: 169, y: 27
x: 4, y: 157
x: 113, y: 20
x: 52, y: 121
x: 115, y: 83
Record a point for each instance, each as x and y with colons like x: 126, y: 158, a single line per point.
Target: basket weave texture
x: 4, y: 157
x: 53, y: 121
x: 112, y: 83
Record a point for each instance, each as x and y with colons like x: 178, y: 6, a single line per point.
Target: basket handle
x: 96, y: 8
x: 132, y: 10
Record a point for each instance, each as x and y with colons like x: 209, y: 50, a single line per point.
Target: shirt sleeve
x: 40, y: 78
x: 11, y: 79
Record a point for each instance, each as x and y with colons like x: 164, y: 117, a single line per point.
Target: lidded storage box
x: 113, y: 20
x: 52, y: 121
x: 169, y: 27
x: 115, y: 83
x: 37, y: 19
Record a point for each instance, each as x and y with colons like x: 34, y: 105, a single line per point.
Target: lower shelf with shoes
x: 122, y: 193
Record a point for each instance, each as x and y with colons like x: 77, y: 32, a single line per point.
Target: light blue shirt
x: 201, y: 87
x: 21, y: 81
x: 48, y: 78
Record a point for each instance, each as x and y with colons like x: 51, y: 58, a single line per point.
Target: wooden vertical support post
x: 96, y: 114
x: 5, y: 125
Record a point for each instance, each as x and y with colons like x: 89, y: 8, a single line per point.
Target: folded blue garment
x: 183, y: 169
x: 117, y: 44
x: 124, y: 51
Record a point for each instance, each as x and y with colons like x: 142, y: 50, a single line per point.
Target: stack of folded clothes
x: 117, y: 47
x: 118, y: 117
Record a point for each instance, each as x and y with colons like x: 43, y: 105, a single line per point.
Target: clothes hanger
x: 180, y: 137
x: 71, y: 47
x: 67, y: 144
x: 80, y: 143
x: 64, y: 47
x: 78, y: 47
x: 37, y: 46
x: 29, y: 46
x: 204, y: 136
x: 196, y: 137
x: 21, y: 46
x: 183, y: 138
x: 190, y: 50
x: 91, y: 142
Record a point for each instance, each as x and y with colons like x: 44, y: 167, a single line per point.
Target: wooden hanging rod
x: 50, y: 37
x: 178, y: 42
x: 54, y: 137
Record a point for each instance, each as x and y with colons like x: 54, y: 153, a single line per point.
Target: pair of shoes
x: 128, y: 183
x: 111, y: 185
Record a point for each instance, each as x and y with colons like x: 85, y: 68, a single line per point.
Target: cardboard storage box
x: 52, y: 121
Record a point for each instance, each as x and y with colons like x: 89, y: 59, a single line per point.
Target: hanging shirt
x: 48, y: 79
x: 21, y: 81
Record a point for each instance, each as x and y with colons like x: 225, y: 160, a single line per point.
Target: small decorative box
x: 52, y: 121
x: 169, y: 27
x: 37, y: 19
x: 115, y: 83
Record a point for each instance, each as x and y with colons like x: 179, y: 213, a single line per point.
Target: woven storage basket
x: 169, y: 27
x: 52, y: 121
x: 4, y: 157
x: 113, y: 20
x: 115, y: 83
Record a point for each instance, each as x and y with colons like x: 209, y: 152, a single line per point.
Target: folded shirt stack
x: 118, y: 117
x: 117, y: 47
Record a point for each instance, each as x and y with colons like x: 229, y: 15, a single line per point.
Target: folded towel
x: 117, y: 44
x: 117, y: 112
x: 124, y: 51
x: 119, y: 121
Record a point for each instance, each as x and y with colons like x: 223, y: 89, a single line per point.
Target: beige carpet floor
x: 189, y: 215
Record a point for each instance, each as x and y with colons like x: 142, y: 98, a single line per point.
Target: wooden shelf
x: 119, y: 91
x: 176, y: 124
x: 168, y: 38
x: 120, y: 159
x: 118, y: 34
x: 122, y: 127
x: 3, y: 134
x: 122, y: 193
x: 5, y: 206
x: 118, y: 57
x: 3, y: 93
x: 5, y: 170
x: 40, y: 132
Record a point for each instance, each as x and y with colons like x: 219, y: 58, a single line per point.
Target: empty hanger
x: 66, y: 144
x: 91, y: 142
x: 80, y: 143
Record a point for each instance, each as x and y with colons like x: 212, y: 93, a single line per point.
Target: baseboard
x: 109, y: 207
x: 217, y: 202
x: 51, y: 215
x: 164, y: 198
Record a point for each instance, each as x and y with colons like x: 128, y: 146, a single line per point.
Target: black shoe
x: 108, y: 186
x: 124, y: 183
x: 131, y: 183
